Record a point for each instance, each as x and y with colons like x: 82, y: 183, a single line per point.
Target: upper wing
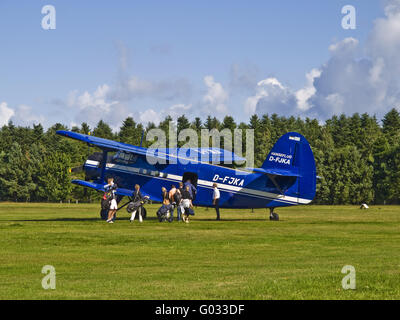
x: 102, y: 143
x: 214, y: 155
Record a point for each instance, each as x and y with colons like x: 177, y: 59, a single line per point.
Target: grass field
x: 245, y: 256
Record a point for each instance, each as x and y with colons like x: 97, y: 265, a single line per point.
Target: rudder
x: 292, y: 155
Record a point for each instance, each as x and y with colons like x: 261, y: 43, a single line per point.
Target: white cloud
x: 174, y: 111
x: 5, y: 113
x: 26, y: 116
x: 271, y: 97
x: 348, y: 82
x: 97, y: 100
x: 303, y: 95
x: 150, y: 115
x: 133, y: 87
x: 96, y: 106
x: 177, y: 110
x: 22, y: 115
x: 345, y: 47
x: 216, y: 97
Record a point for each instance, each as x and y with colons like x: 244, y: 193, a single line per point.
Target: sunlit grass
x: 244, y: 256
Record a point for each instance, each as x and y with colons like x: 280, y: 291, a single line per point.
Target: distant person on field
x: 216, y: 196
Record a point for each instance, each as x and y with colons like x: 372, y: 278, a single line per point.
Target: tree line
x: 357, y: 157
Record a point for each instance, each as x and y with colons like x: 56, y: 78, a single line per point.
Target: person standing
x: 137, y: 196
x: 216, y: 196
x: 111, y: 187
x: 171, y: 195
x: 180, y: 205
x: 192, y: 188
x: 186, y: 204
x: 164, y: 195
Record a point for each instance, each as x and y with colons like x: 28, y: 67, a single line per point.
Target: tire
x: 274, y: 216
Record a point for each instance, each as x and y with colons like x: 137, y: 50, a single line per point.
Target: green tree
x: 103, y: 130
x: 55, y: 183
x: 130, y: 132
x: 15, y: 175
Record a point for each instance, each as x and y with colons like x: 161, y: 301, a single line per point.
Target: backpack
x: 106, y: 201
x: 177, y: 197
x: 105, y: 204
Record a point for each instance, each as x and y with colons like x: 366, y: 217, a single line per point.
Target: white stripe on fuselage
x: 203, y: 183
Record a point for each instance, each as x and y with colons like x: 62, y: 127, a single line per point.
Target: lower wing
x: 100, y: 187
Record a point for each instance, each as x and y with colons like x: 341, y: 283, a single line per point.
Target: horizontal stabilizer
x: 277, y: 172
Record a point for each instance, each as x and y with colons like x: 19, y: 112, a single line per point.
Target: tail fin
x: 292, y: 156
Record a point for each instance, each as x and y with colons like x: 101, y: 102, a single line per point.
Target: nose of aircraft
x: 76, y: 169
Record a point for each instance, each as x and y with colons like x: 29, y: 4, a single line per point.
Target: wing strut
x: 272, y: 177
x: 104, y: 164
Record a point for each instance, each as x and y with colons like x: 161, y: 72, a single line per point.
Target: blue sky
x: 111, y: 59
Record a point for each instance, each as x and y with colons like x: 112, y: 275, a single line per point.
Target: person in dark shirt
x: 137, y: 196
x: 192, y: 188
x: 111, y: 188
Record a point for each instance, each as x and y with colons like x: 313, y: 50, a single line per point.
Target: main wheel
x: 274, y: 216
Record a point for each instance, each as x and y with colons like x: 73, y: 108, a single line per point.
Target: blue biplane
x: 286, y: 178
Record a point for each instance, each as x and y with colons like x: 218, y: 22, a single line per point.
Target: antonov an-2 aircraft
x: 286, y: 178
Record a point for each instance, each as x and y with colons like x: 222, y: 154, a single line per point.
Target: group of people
x: 109, y: 195
x: 181, y: 198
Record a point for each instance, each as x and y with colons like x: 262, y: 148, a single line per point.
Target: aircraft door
x: 193, y: 177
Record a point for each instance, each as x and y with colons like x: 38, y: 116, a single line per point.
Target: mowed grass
x: 244, y: 256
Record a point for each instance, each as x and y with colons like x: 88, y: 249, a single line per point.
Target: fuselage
x: 238, y: 188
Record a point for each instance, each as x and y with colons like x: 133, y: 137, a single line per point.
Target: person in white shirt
x: 216, y: 197
x: 111, y: 187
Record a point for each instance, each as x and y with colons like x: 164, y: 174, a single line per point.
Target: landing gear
x: 272, y: 215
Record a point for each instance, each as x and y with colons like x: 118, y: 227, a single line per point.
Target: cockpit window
x: 125, y: 157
